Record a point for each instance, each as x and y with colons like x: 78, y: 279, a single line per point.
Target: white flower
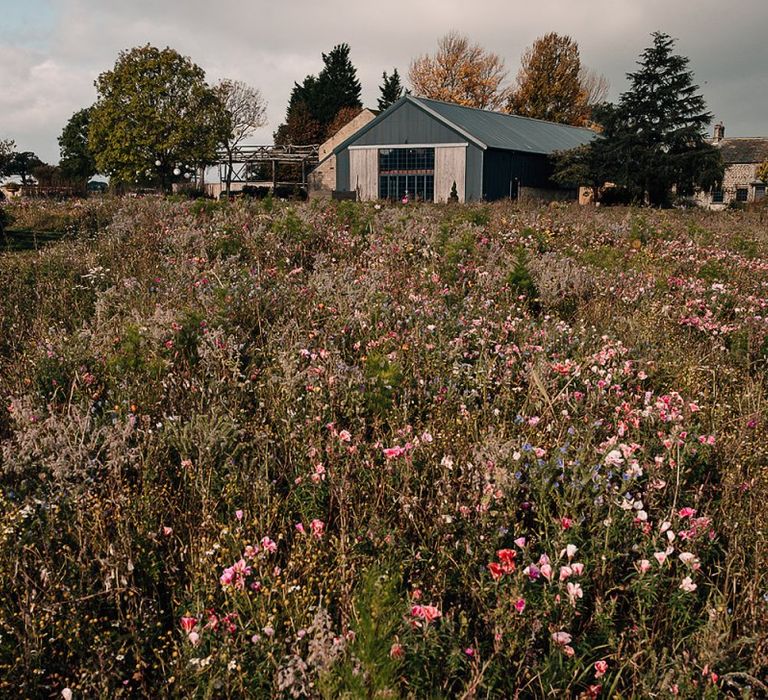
x: 688, y: 585
x: 687, y: 558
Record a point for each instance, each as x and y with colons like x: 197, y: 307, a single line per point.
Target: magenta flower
x: 520, y: 605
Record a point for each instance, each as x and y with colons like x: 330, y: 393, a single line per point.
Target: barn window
x: 408, y: 171
x: 717, y: 196
x: 742, y: 194
x: 759, y: 192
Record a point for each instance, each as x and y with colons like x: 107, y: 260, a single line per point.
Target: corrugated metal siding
x: 408, y: 124
x: 504, y: 168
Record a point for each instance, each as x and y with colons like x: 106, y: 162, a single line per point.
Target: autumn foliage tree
x: 460, y: 72
x: 553, y: 84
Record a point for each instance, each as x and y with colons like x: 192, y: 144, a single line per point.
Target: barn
x: 420, y: 148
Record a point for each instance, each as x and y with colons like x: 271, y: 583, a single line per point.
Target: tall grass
x: 346, y: 451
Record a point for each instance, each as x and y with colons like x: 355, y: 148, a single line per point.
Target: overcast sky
x: 51, y: 51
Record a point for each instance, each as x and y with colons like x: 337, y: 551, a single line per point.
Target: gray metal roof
x: 491, y: 129
x: 508, y: 131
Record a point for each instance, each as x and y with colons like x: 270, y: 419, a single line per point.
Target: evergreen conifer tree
x: 391, y: 89
x: 654, y: 141
x: 316, y: 101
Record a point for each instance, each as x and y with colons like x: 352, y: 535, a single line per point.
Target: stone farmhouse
x: 742, y: 157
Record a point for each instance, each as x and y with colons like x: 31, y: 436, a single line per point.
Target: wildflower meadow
x: 278, y: 450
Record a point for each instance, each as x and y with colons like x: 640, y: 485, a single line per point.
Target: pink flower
x: 469, y: 651
x: 269, y: 545
x: 188, y: 623
x: 428, y: 613
x: 574, y: 591
x: 345, y: 436
x: 167, y: 531
x: 394, y: 452
x: 397, y: 651
x: 688, y: 585
x: 660, y: 557
x: 239, y: 514
x: 561, y: 638
x: 688, y: 558
x: 194, y: 638
x: 300, y: 528
x: 565, y: 572
x: 520, y: 542
x: 317, y: 527
x: 520, y: 605
x: 570, y: 550
x: 235, y: 574
x: 546, y: 572
x: 686, y: 512
x: 566, y: 523
x: 578, y: 568
x: 643, y: 565
x: 600, y: 668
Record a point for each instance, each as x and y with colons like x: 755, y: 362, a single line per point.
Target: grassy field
x: 274, y: 450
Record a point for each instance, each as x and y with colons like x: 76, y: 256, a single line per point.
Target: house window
x: 408, y: 171
x: 759, y: 192
x: 742, y: 194
x: 717, y: 196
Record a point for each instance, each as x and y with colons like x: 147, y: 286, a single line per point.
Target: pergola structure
x: 241, y: 160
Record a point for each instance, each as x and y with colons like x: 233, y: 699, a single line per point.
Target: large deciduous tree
x: 155, y: 113
x: 391, y: 89
x: 460, y: 72
x: 77, y: 161
x: 553, y: 84
x: 246, y: 111
x: 315, y: 102
x: 22, y: 163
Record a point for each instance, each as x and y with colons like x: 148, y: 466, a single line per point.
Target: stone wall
x: 322, y: 180
x: 738, y: 175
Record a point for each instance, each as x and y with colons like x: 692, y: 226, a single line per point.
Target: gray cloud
x: 270, y: 45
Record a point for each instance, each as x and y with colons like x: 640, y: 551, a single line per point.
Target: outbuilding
x: 421, y: 148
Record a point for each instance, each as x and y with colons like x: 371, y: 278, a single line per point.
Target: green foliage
x: 391, y: 89
x: 520, y: 280
x: 77, y: 161
x: 154, y: 106
x: 713, y: 271
x: 22, y: 164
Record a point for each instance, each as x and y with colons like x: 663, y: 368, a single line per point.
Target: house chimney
x: 719, y: 132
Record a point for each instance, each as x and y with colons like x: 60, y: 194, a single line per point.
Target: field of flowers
x: 358, y: 451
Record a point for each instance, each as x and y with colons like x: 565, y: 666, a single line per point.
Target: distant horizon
x: 53, y: 51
